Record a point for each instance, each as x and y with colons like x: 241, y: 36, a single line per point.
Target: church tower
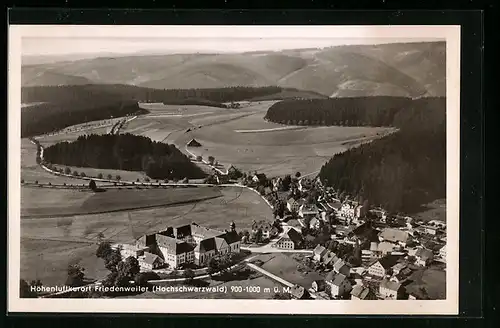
x: 233, y: 226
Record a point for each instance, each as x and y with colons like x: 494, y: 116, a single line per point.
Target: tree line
x: 400, y: 171
x: 67, y: 105
x: 124, y: 152
x: 51, y: 117
x: 355, y: 111
x: 70, y: 93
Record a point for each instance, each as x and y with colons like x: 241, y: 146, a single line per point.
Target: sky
x: 60, y: 46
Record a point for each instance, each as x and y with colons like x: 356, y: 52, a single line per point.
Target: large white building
x: 190, y: 244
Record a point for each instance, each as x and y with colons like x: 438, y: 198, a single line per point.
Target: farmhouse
x: 329, y: 259
x: 290, y: 240
x: 264, y: 226
x: 391, y: 290
x: 341, y: 267
x: 315, y: 223
x: 193, y: 143
x: 318, y: 285
x: 294, y: 205
x: 150, y: 261
x: 381, y: 267
x: 299, y: 293
x: 319, y: 252
x: 338, y: 283
x: 362, y: 293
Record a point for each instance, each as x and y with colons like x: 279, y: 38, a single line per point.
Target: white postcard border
x: 205, y: 306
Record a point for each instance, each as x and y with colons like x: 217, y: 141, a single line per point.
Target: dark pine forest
x: 124, y: 152
x: 401, y: 171
x: 67, y: 105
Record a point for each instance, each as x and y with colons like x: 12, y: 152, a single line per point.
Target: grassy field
x: 48, y: 260
x: 31, y: 171
x: 58, y: 202
x: 272, y: 152
x: 285, y: 266
x: 218, y: 213
x: 71, y: 136
x: 58, y: 234
x: 432, y: 279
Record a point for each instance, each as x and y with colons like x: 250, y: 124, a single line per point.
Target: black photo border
x: 472, y: 222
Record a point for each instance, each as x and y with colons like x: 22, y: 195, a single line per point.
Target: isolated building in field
x: 193, y: 143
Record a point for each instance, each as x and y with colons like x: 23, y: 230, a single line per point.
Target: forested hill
x: 62, y: 106
x: 401, y: 171
x: 356, y: 111
x: 67, y: 93
x: 124, y: 152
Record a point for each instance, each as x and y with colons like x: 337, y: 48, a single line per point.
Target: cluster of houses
x: 177, y: 246
x: 393, y: 246
x: 387, y: 268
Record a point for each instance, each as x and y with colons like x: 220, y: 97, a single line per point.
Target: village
x: 361, y: 251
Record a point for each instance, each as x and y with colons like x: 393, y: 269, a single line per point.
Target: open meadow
x: 243, y: 138
x: 64, y: 238
x: 48, y: 260
x: 46, y: 202
x: 32, y: 172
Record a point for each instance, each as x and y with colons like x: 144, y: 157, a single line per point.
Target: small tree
x: 99, y: 176
x: 22, y: 180
x: 146, y: 179
x: 75, y: 275
x: 92, y: 185
x: 83, y: 175
x: 199, y: 158
x: 211, y: 160
x: 118, y: 177
x: 75, y: 173
x: 110, y: 177
x: 67, y: 170
x: 36, y: 182
x: 297, y: 175
x: 186, y: 180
